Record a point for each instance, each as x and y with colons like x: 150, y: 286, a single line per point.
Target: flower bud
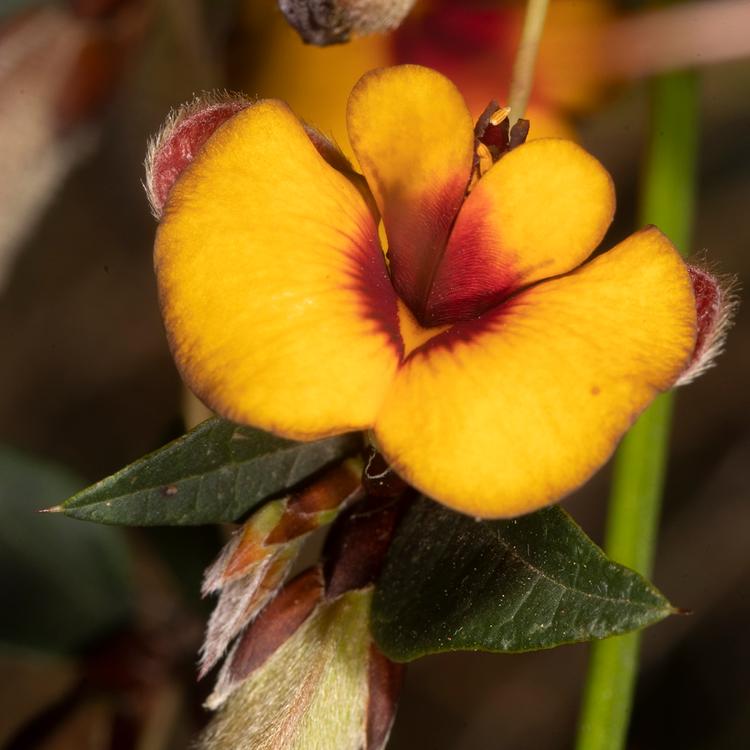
x: 256, y: 560
x: 309, y: 676
x: 324, y: 22
x: 715, y: 303
x: 276, y: 623
x: 306, y: 673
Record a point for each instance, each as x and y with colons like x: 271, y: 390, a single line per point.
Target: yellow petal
x: 273, y: 285
x: 414, y: 139
x: 540, y: 211
x: 508, y: 413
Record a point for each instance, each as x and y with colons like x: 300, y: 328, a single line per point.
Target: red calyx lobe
x: 714, y: 308
x: 707, y: 306
x: 185, y: 134
x: 179, y: 143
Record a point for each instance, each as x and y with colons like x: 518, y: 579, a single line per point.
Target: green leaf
x: 214, y: 474
x: 452, y: 583
x: 63, y: 583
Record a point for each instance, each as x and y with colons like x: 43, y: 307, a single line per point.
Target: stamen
x: 484, y: 155
x: 498, y: 116
x: 494, y: 137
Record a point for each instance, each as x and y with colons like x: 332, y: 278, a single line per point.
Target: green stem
x: 528, y: 47
x: 640, y: 465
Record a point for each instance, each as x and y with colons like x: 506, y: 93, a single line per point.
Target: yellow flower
x: 494, y: 371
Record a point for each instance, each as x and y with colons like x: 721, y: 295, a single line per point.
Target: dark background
x: 87, y: 383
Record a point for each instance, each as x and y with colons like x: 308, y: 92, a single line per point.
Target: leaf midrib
x: 112, y: 480
x: 513, y: 551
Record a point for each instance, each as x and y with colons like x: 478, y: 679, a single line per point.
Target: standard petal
x: 540, y: 211
x: 274, y: 290
x: 414, y: 139
x: 505, y: 414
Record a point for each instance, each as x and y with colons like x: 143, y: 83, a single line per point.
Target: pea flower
x: 493, y: 364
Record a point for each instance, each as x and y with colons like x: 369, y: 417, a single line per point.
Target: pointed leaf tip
x: 452, y: 583
x: 216, y: 473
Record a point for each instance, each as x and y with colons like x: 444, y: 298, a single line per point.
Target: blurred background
x: 99, y: 627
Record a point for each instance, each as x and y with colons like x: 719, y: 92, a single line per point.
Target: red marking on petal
x: 464, y: 332
x: 417, y: 243
x: 467, y: 283
x: 370, y: 280
x: 179, y: 142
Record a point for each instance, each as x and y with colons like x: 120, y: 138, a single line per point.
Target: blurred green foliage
x: 64, y: 583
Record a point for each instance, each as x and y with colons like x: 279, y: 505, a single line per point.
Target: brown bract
x: 291, y: 607
x: 358, y: 543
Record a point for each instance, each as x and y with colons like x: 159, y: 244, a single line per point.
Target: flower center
x: 440, y: 292
x: 494, y: 138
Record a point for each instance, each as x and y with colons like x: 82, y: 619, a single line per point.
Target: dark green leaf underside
x: 452, y: 583
x: 216, y: 473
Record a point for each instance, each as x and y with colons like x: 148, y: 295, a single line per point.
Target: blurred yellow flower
x: 473, y: 43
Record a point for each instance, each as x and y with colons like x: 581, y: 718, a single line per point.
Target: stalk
x: 528, y: 48
x: 667, y: 200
